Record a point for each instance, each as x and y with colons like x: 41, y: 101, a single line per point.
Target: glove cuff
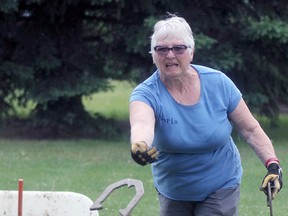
x: 271, y: 160
x: 275, y: 168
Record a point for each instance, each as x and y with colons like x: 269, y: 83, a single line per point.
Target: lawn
x: 112, y: 103
x: 83, y: 166
x: 89, y: 166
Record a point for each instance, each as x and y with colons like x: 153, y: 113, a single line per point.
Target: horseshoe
x: 97, y: 205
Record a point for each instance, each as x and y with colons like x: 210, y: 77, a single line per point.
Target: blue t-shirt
x: 197, y: 154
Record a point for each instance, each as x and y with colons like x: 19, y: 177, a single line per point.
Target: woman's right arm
x: 142, y: 122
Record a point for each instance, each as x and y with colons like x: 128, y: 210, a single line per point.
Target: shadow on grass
x: 98, y: 128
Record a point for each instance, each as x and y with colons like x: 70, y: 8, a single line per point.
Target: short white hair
x: 172, y: 27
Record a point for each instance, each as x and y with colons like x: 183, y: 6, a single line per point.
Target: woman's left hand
x: 274, y: 176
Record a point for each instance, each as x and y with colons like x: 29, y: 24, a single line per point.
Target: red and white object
x: 20, y: 196
x: 44, y: 203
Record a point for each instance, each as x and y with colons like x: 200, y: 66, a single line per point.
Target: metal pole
x: 20, y: 196
x: 269, y: 199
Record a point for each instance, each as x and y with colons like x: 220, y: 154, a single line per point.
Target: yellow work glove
x: 142, y: 154
x: 274, y: 176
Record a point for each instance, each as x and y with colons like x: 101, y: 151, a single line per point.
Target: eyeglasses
x: 177, y: 50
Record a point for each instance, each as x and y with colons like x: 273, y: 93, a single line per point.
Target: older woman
x: 181, y: 123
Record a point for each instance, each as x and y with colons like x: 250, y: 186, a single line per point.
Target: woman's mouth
x: 171, y: 65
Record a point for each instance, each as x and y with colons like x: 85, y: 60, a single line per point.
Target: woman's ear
x: 153, y: 58
x: 191, y: 55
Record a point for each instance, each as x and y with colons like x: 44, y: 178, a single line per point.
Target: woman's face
x: 174, y: 62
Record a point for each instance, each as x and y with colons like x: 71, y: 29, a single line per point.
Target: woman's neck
x: 180, y: 83
x: 185, y: 89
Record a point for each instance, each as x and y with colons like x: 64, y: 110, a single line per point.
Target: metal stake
x: 20, y: 196
x: 269, y: 199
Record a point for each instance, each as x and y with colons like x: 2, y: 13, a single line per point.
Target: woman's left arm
x: 249, y: 128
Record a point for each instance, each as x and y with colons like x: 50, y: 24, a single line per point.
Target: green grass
x: 113, y: 103
x: 83, y: 166
x: 252, y: 200
x: 89, y: 166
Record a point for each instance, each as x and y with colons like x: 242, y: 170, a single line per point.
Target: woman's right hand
x: 142, y: 154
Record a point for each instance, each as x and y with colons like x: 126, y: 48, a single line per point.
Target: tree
x: 248, y: 41
x: 55, y: 51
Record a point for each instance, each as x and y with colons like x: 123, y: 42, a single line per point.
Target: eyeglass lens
x: 164, y: 50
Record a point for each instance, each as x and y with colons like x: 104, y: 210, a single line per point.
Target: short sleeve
x: 145, y: 94
x: 233, y: 94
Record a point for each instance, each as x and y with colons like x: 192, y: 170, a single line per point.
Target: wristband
x: 270, y: 160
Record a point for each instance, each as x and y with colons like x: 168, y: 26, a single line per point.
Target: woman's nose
x: 170, y: 54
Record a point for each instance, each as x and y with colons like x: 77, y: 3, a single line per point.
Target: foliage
x: 59, y: 51
x: 249, y: 43
x: 55, y: 52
